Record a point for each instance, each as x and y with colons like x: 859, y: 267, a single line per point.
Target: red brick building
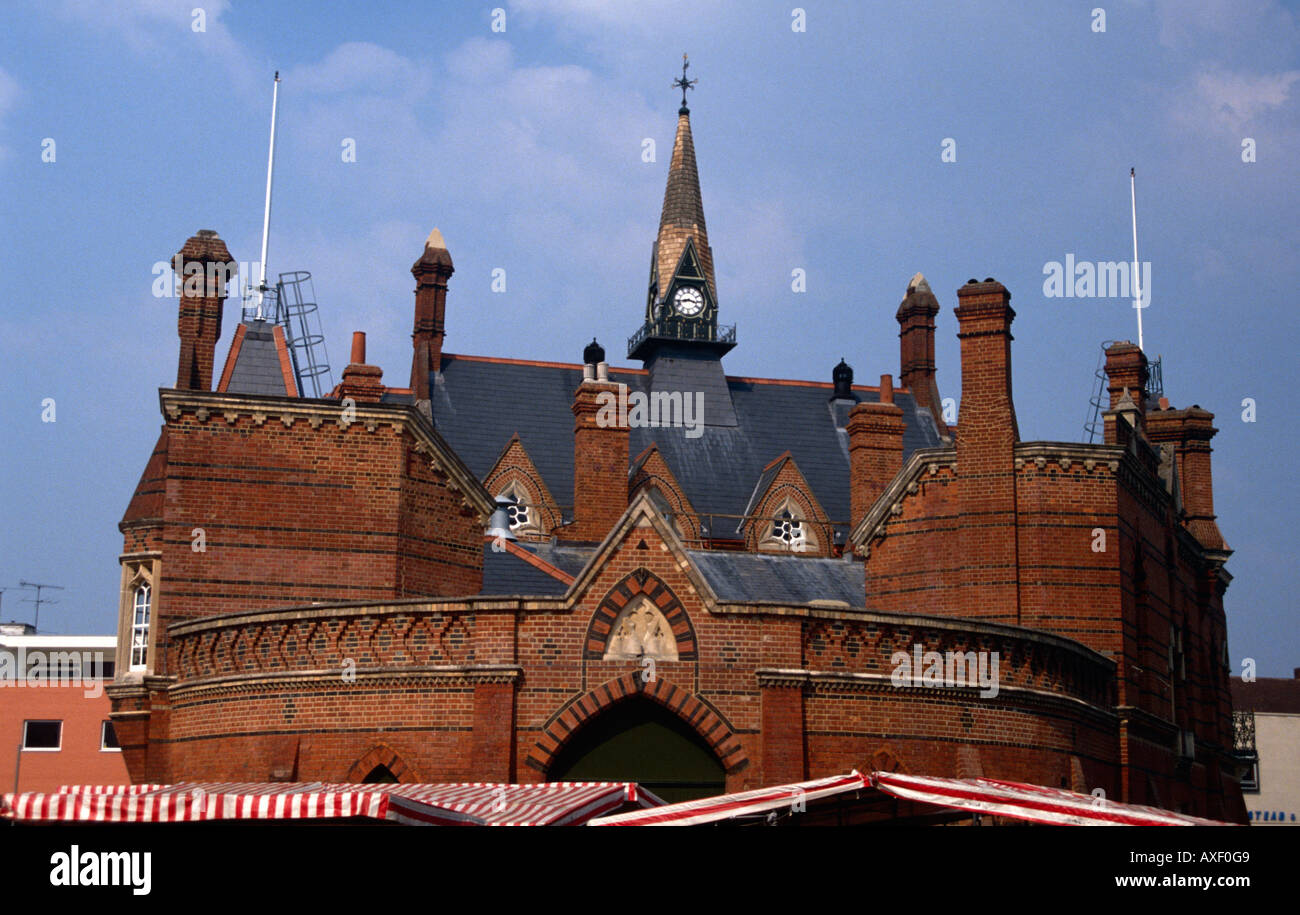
x: 694, y: 580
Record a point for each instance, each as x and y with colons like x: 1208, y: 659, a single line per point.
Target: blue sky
x: 818, y: 149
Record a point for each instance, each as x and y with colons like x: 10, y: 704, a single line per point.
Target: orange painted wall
x: 79, y: 762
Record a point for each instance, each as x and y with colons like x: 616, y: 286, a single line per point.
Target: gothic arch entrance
x: 638, y: 740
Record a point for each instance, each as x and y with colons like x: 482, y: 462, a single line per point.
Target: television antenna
x: 38, y: 600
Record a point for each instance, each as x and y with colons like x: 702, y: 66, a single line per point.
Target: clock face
x: 688, y: 301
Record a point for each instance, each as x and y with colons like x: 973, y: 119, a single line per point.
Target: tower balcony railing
x: 681, y: 329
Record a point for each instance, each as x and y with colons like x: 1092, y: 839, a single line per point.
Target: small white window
x: 108, y: 738
x: 44, y: 736
x: 140, y: 628
x: 1250, y: 781
x: 788, y: 529
x: 519, y: 512
x: 519, y: 515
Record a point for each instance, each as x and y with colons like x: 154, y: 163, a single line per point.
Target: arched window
x: 790, y: 530
x: 519, y: 510
x: 140, y: 607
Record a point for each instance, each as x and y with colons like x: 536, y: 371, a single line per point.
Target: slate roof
x: 257, y: 367
x: 504, y: 573
x: 761, y: 487
x: 733, y: 576
x: 793, y: 579
x: 478, y: 403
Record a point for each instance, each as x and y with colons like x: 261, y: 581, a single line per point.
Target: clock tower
x: 681, y: 302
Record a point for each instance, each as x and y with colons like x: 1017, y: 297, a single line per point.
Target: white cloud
x: 363, y: 67
x: 1236, y: 100
x: 165, y: 30
x: 622, y: 17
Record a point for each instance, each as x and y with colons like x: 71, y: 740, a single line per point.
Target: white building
x: 1268, y: 710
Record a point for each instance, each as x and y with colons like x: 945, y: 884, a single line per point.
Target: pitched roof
x: 505, y: 573
x: 761, y: 487
x: 732, y: 576
x: 788, y: 579
x: 478, y: 403
x: 1267, y: 694
x: 258, y: 362
x: 682, y: 216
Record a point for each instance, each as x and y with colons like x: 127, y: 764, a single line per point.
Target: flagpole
x: 1137, y: 272
x: 266, y: 212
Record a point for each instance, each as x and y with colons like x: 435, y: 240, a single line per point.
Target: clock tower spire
x: 681, y: 302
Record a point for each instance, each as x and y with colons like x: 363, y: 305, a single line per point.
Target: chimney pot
x: 916, y: 315
x: 886, y: 388
x: 358, y: 347
x: 875, y: 450
x: 204, y: 265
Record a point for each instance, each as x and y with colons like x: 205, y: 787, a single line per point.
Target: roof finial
x: 684, y: 83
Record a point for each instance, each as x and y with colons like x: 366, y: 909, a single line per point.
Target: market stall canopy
x: 1033, y: 803
x: 792, y: 797
x: 926, y: 799
x: 477, y: 804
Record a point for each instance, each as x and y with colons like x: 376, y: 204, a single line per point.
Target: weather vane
x: 684, y: 83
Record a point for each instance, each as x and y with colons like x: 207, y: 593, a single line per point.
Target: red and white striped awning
x: 478, y: 804
x: 730, y: 806
x: 1033, y: 803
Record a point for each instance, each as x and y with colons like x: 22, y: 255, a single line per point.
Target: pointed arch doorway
x: 638, y: 740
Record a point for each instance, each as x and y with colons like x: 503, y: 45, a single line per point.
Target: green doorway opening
x: 638, y: 740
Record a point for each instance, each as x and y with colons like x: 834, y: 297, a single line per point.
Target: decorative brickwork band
x: 706, y: 721
x: 641, y: 582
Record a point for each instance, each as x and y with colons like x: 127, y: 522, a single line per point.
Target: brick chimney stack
x: 1126, y: 370
x: 986, y: 438
x: 1191, y: 430
x: 363, y: 383
x: 204, y: 267
x: 600, y: 450
x: 915, y: 317
x: 875, y: 449
x: 431, y: 273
